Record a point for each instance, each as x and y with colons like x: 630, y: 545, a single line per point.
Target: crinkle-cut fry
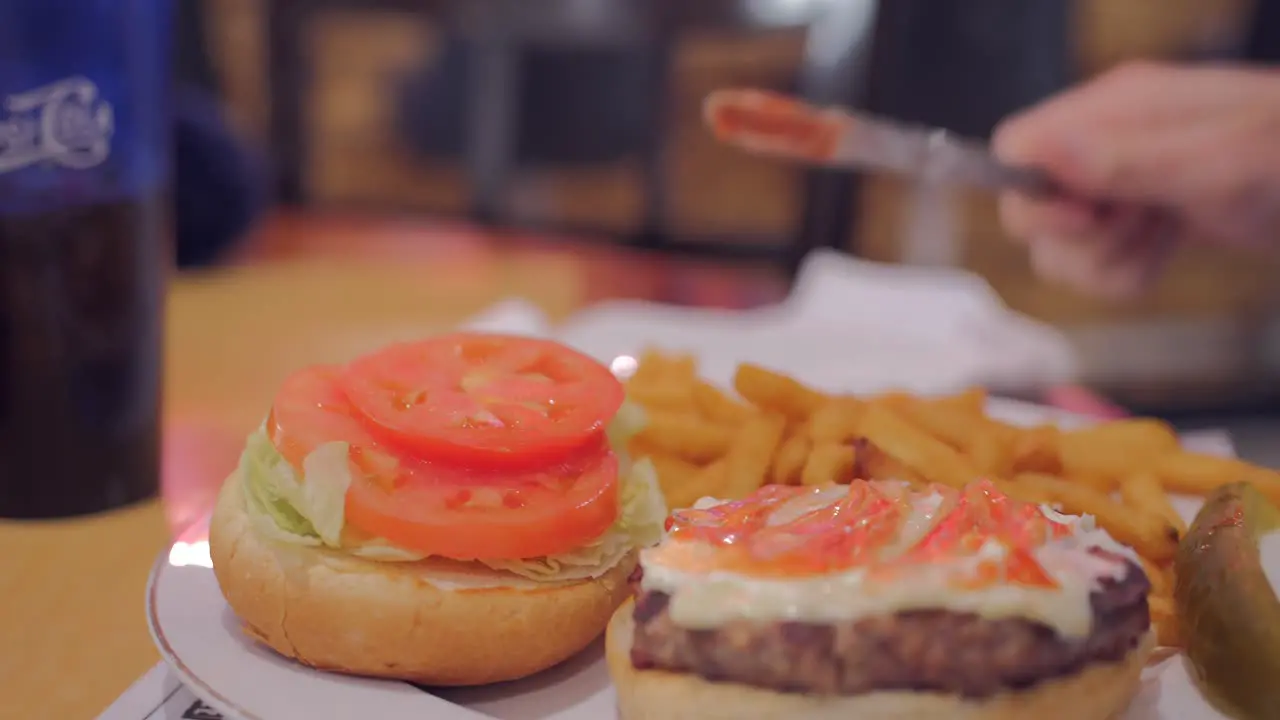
x: 1148, y: 533
x: 915, y: 448
x: 751, y: 454
x: 685, y: 436
x: 790, y: 459
x: 661, y: 396
x: 1116, y: 448
x: 716, y: 406
x: 1143, y: 491
x: 707, y: 482
x: 829, y: 463
x: 1164, y: 615
x: 836, y: 421
x: 1191, y: 473
x: 777, y: 392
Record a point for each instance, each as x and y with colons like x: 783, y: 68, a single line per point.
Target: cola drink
x: 84, y: 252
x: 80, y: 313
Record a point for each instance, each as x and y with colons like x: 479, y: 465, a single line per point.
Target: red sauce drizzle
x: 863, y: 527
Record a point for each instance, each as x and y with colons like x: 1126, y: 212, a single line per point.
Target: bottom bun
x: 1100, y: 692
x: 337, y: 612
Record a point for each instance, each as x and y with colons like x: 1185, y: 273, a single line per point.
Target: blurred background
x: 580, y: 118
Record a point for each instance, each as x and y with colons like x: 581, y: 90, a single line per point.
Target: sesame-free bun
x: 333, y: 611
x: 1100, y: 692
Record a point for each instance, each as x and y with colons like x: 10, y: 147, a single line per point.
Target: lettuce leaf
x: 283, y: 507
x: 626, y: 424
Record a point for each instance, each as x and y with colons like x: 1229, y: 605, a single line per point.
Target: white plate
x: 201, y: 639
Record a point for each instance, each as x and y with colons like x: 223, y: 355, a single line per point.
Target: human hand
x: 1157, y: 153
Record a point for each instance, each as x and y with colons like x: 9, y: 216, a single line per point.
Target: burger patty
x: 919, y: 650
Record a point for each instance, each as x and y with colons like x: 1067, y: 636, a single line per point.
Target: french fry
x: 716, y: 406
x: 951, y: 422
x: 655, y: 367
x: 835, y: 421
x: 707, y: 482
x: 777, y: 392
x: 673, y: 473
x: 1101, y: 483
x: 895, y: 399
x: 1026, y: 492
x: 872, y: 463
x: 649, y: 367
x: 1144, y: 492
x: 1164, y: 616
x: 751, y: 454
x: 958, y: 421
x: 1148, y: 533
x: 972, y: 401
x: 828, y: 463
x: 992, y: 452
x: 1196, y: 474
x: 683, y: 368
x: 685, y: 436
x: 661, y: 396
x: 1117, y: 448
x: 789, y: 461
x: 915, y: 448
x: 1159, y: 578
x: 639, y: 447
x: 1036, y: 449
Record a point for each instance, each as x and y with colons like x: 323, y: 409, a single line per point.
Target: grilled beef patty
x: 919, y: 650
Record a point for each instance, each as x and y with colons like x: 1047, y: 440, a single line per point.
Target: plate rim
x: 231, y: 708
x: 193, y: 682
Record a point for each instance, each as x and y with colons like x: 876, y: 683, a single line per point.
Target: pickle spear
x: 1229, y: 611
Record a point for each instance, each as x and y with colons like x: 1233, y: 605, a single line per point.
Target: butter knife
x: 767, y: 123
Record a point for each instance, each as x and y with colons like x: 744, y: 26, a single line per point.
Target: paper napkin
x: 850, y: 325
x: 513, y: 316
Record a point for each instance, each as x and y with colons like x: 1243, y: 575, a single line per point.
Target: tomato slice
x: 484, y: 400
x: 444, y: 509
x: 545, y: 513
x: 310, y: 410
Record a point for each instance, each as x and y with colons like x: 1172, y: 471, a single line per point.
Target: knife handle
x: 971, y: 160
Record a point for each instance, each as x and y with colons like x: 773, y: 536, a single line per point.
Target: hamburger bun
x: 334, y: 611
x: 1100, y: 692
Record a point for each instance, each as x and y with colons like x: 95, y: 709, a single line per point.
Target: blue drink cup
x: 84, y: 251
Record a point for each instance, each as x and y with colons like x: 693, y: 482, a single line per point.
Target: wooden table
x: 304, y: 289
